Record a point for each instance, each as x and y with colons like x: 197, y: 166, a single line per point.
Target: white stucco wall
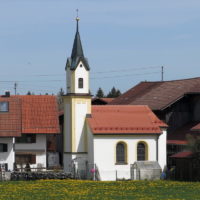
x: 90, y: 145
x: 72, y: 79
x: 81, y: 72
x: 105, y: 154
x: 39, y: 145
x: 68, y: 77
x: 38, y: 148
x: 162, y: 149
x: 80, y: 114
x: 8, y: 157
x: 67, y: 128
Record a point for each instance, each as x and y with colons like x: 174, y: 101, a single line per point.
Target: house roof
x: 196, y: 127
x: 124, y: 119
x: 184, y: 154
x: 101, y: 101
x: 29, y: 114
x: 158, y: 95
x: 178, y: 137
x: 107, y: 100
x: 10, y: 122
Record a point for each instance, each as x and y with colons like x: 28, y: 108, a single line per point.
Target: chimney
x: 7, y: 94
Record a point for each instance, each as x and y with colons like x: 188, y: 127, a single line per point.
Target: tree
x: 100, y: 93
x: 60, y: 99
x: 30, y: 93
x: 114, y: 93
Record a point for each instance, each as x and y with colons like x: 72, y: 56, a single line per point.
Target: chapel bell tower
x: 77, y: 104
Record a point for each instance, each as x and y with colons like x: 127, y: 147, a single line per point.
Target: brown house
x: 175, y: 102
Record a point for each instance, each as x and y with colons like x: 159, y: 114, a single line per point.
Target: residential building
x: 26, y: 124
x: 175, y: 102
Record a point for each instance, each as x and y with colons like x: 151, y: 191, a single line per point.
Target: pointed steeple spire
x: 77, y: 50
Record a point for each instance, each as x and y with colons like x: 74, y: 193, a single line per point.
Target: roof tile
x: 158, y: 95
x: 124, y: 120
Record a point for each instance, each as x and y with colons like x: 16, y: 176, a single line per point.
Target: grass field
x: 73, y: 189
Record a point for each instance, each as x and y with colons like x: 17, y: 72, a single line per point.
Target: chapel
x: 105, y: 141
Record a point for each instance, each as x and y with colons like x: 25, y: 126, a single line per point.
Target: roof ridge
x: 169, y: 80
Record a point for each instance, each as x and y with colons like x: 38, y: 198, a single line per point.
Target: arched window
x: 141, y: 151
x: 80, y: 83
x: 121, y: 153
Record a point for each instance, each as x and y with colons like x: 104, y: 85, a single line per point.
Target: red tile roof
x: 39, y: 114
x: 179, y: 136
x: 196, y: 127
x: 184, y: 154
x: 10, y: 122
x: 158, y: 95
x: 124, y: 120
x: 33, y: 114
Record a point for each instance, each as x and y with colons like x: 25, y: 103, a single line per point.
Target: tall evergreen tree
x: 100, y: 93
x: 60, y: 99
x: 114, y: 93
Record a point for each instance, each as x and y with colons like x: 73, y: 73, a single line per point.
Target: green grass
x: 74, y: 189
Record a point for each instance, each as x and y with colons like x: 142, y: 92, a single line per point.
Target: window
x: 121, y: 153
x: 80, y: 83
x: 81, y: 65
x: 4, y: 106
x: 141, y: 151
x: 25, y: 158
x: 26, y: 138
x: 3, y: 147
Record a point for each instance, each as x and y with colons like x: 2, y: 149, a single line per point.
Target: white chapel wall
x: 105, y: 154
x: 162, y: 149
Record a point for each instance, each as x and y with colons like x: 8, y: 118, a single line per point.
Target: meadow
x: 76, y: 189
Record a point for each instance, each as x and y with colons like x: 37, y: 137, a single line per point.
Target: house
x: 27, y: 125
x: 105, y: 140
x: 175, y: 102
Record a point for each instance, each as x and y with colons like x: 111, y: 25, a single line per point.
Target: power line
x: 124, y: 69
x: 127, y: 75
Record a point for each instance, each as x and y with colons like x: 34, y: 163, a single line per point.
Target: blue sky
x: 126, y: 41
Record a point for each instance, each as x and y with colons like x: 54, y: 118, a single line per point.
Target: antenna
x: 15, y: 88
x: 162, y: 73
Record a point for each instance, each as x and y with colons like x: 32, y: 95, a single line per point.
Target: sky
x: 125, y: 41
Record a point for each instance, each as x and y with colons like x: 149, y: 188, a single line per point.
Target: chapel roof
x: 29, y: 114
x: 77, y: 54
x: 158, y: 95
x: 124, y: 119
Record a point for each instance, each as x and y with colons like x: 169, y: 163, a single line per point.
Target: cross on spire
x: 77, y: 19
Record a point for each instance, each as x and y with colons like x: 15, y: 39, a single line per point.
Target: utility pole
x: 162, y: 73
x: 15, y: 88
